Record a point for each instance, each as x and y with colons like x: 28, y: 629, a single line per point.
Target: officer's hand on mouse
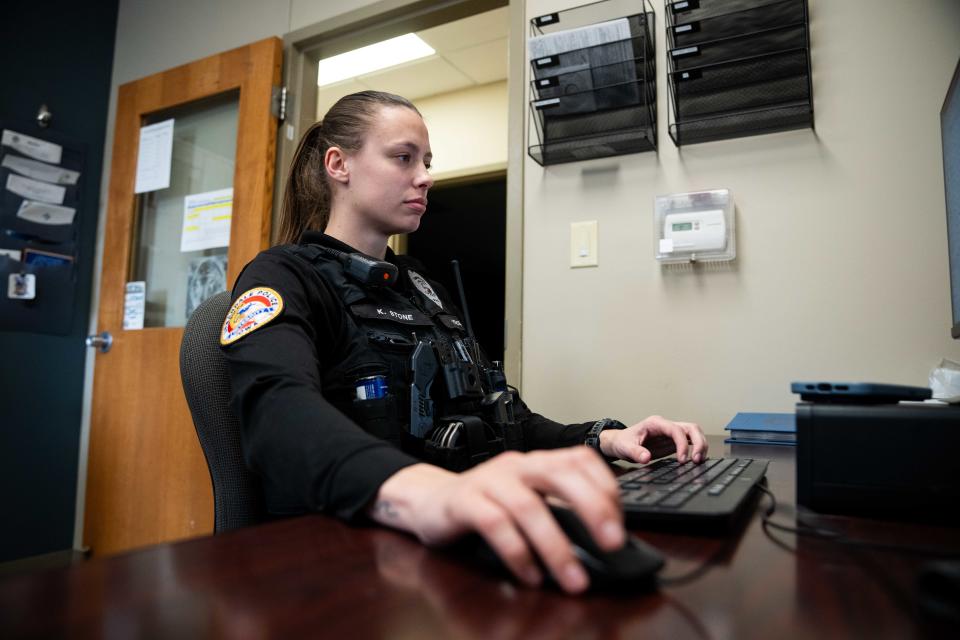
x: 503, y: 500
x: 655, y: 437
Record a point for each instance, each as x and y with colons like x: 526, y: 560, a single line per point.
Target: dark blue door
x: 60, y: 54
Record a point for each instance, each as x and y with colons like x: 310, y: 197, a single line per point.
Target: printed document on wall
x: 154, y: 156
x: 206, y: 220
x: 134, y: 305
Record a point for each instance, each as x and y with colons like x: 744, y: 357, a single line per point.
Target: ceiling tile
x: 414, y: 80
x: 474, y: 30
x: 483, y: 63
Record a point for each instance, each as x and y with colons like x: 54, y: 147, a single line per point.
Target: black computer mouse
x: 938, y: 590
x: 633, y: 567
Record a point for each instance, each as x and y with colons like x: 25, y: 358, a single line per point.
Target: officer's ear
x: 335, y: 163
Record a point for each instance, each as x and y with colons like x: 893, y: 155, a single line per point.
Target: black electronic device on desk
x: 697, y: 497
x: 859, y: 392
x: 894, y: 460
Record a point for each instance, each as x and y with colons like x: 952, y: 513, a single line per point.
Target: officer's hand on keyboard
x: 503, y: 500
x: 655, y: 437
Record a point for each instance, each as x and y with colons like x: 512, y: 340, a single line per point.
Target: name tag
x: 391, y: 314
x: 451, y: 322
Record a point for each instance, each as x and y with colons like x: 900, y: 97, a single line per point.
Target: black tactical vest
x: 472, y: 407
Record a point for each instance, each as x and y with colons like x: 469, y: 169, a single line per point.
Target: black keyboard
x: 688, y: 495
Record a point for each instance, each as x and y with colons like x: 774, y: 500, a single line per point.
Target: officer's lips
x: 419, y: 204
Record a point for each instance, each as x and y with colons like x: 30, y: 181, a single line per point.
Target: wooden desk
x: 313, y: 576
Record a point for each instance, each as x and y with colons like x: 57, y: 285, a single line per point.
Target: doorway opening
x: 467, y: 221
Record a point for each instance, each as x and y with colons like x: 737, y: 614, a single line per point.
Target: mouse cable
x: 708, y: 563
x: 699, y: 627
x: 866, y: 563
x: 828, y: 535
x: 801, y: 529
x: 701, y: 569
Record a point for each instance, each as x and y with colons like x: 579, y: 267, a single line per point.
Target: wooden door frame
x: 254, y: 71
x: 387, y: 18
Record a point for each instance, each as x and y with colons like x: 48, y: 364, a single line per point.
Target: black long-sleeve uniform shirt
x: 309, y: 455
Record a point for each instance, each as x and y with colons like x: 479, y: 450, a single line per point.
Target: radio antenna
x: 463, y: 297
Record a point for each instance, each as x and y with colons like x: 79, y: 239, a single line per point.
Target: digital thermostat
x: 698, y: 231
x: 697, y: 226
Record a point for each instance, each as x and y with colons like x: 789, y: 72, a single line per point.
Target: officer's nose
x: 423, y: 180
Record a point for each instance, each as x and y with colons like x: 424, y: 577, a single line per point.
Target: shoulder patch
x: 253, y: 309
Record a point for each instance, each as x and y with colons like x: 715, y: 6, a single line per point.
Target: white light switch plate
x: 583, y: 244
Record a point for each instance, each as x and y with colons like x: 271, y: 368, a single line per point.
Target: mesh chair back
x: 237, y: 493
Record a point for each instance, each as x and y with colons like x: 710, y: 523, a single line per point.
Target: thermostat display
x: 696, y: 231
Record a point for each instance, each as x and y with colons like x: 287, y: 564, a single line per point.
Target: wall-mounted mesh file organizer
x: 737, y: 68
x: 593, y: 92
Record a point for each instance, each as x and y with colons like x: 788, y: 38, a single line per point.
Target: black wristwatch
x: 593, y: 436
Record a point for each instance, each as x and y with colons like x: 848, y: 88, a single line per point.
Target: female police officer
x: 308, y: 323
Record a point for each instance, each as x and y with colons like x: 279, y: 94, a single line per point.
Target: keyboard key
x: 675, y: 500
x: 716, y: 489
x: 651, y: 498
x: 711, y: 475
x: 683, y: 473
x: 637, y: 475
x: 632, y: 496
x: 664, y: 478
x: 698, y: 471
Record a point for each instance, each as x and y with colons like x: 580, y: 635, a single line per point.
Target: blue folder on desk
x: 763, y: 428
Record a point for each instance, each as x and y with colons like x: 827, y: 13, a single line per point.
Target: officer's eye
x: 404, y: 157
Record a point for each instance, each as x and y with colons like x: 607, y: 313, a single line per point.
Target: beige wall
x: 842, y: 266
x: 461, y: 150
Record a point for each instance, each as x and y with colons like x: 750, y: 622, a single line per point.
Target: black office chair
x: 237, y: 493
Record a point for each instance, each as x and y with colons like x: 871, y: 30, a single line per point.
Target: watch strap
x: 593, y: 435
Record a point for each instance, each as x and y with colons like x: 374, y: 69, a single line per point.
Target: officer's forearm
x: 398, y: 502
x: 542, y: 433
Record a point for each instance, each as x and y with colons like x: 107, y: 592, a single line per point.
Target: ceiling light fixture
x: 374, y: 57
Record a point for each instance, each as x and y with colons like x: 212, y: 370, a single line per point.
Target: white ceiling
x: 469, y: 52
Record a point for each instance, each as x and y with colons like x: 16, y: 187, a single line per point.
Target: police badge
x: 424, y: 287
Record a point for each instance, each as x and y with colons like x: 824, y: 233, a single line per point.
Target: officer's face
x: 388, y: 176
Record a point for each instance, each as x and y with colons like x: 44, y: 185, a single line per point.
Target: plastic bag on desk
x: 945, y: 381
